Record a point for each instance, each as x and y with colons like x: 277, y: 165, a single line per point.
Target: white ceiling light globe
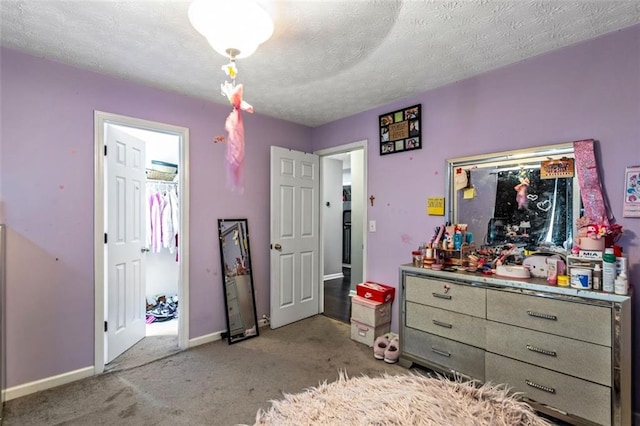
x: 241, y: 25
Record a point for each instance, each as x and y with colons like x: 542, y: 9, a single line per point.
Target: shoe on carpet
x: 380, y: 345
x: 392, y: 353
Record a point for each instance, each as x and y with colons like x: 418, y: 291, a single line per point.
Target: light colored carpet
x: 400, y: 400
x: 215, y: 384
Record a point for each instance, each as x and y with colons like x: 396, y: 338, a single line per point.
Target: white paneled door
x: 295, y: 242
x: 126, y: 241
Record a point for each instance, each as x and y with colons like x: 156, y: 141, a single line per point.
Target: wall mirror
x: 506, y: 197
x: 242, y: 322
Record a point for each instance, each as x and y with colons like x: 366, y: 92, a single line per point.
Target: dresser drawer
x: 575, y: 320
x: 463, y: 328
x: 445, y: 295
x: 569, y: 394
x: 573, y: 357
x: 446, y: 354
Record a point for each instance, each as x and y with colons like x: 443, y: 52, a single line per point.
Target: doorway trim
x: 340, y: 149
x: 101, y: 119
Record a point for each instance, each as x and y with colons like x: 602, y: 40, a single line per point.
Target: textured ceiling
x: 326, y: 60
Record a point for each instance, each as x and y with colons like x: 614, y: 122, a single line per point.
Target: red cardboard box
x: 374, y: 291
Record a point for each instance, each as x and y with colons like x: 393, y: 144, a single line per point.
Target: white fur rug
x: 399, y: 400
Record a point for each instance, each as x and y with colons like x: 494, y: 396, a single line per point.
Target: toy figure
x: 521, y: 193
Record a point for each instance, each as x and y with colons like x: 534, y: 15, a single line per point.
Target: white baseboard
x: 207, y: 338
x: 263, y: 323
x: 48, y: 383
x: 335, y: 276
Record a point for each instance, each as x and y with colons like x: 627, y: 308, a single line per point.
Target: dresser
x: 567, y: 350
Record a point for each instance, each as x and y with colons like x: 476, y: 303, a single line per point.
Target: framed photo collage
x: 401, y: 130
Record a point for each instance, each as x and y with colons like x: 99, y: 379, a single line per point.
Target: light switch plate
x: 372, y: 226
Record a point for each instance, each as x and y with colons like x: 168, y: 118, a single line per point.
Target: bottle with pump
x: 608, y: 270
x: 622, y: 285
x: 597, y: 278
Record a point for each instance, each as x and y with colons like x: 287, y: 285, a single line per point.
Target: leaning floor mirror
x: 237, y: 279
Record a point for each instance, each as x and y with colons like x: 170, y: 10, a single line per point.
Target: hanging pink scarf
x: 235, y: 142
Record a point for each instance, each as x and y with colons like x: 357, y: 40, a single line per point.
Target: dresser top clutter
x: 532, y: 284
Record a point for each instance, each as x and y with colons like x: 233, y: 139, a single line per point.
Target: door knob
x: 277, y: 247
x: 144, y: 249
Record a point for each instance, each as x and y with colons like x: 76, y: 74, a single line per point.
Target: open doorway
x: 141, y: 173
x: 343, y: 219
x: 162, y: 198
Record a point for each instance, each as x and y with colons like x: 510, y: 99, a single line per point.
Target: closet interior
x: 162, y: 241
x: 162, y: 253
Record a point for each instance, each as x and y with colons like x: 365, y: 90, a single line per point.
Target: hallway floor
x: 337, y: 303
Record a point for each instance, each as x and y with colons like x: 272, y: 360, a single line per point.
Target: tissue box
x: 374, y: 291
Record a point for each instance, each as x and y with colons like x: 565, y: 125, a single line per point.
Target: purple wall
x: 47, y: 202
x: 590, y: 90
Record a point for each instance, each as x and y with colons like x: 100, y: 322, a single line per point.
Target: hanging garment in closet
x: 163, y: 220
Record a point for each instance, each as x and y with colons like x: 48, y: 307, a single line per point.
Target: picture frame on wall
x: 401, y: 130
x: 631, y: 206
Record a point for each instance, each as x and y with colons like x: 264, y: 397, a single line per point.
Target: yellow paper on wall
x: 435, y: 206
x: 469, y: 193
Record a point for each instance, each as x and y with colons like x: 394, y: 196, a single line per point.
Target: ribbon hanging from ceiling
x: 235, y: 128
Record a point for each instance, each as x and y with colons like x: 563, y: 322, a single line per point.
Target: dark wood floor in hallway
x: 337, y: 304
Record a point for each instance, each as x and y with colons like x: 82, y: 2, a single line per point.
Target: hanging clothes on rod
x: 162, y: 216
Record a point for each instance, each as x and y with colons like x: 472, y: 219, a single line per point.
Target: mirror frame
x: 237, y: 307
x: 538, y: 153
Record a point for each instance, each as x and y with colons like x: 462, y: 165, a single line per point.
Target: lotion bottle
x: 608, y: 270
x: 622, y: 285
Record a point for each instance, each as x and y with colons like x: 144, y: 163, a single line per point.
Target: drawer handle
x: 442, y: 324
x: 543, y: 316
x: 441, y: 296
x: 541, y: 387
x: 439, y: 352
x: 541, y: 351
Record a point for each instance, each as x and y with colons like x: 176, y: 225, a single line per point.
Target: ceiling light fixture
x: 235, y: 29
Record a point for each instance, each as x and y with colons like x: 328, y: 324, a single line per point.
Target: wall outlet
x: 264, y: 321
